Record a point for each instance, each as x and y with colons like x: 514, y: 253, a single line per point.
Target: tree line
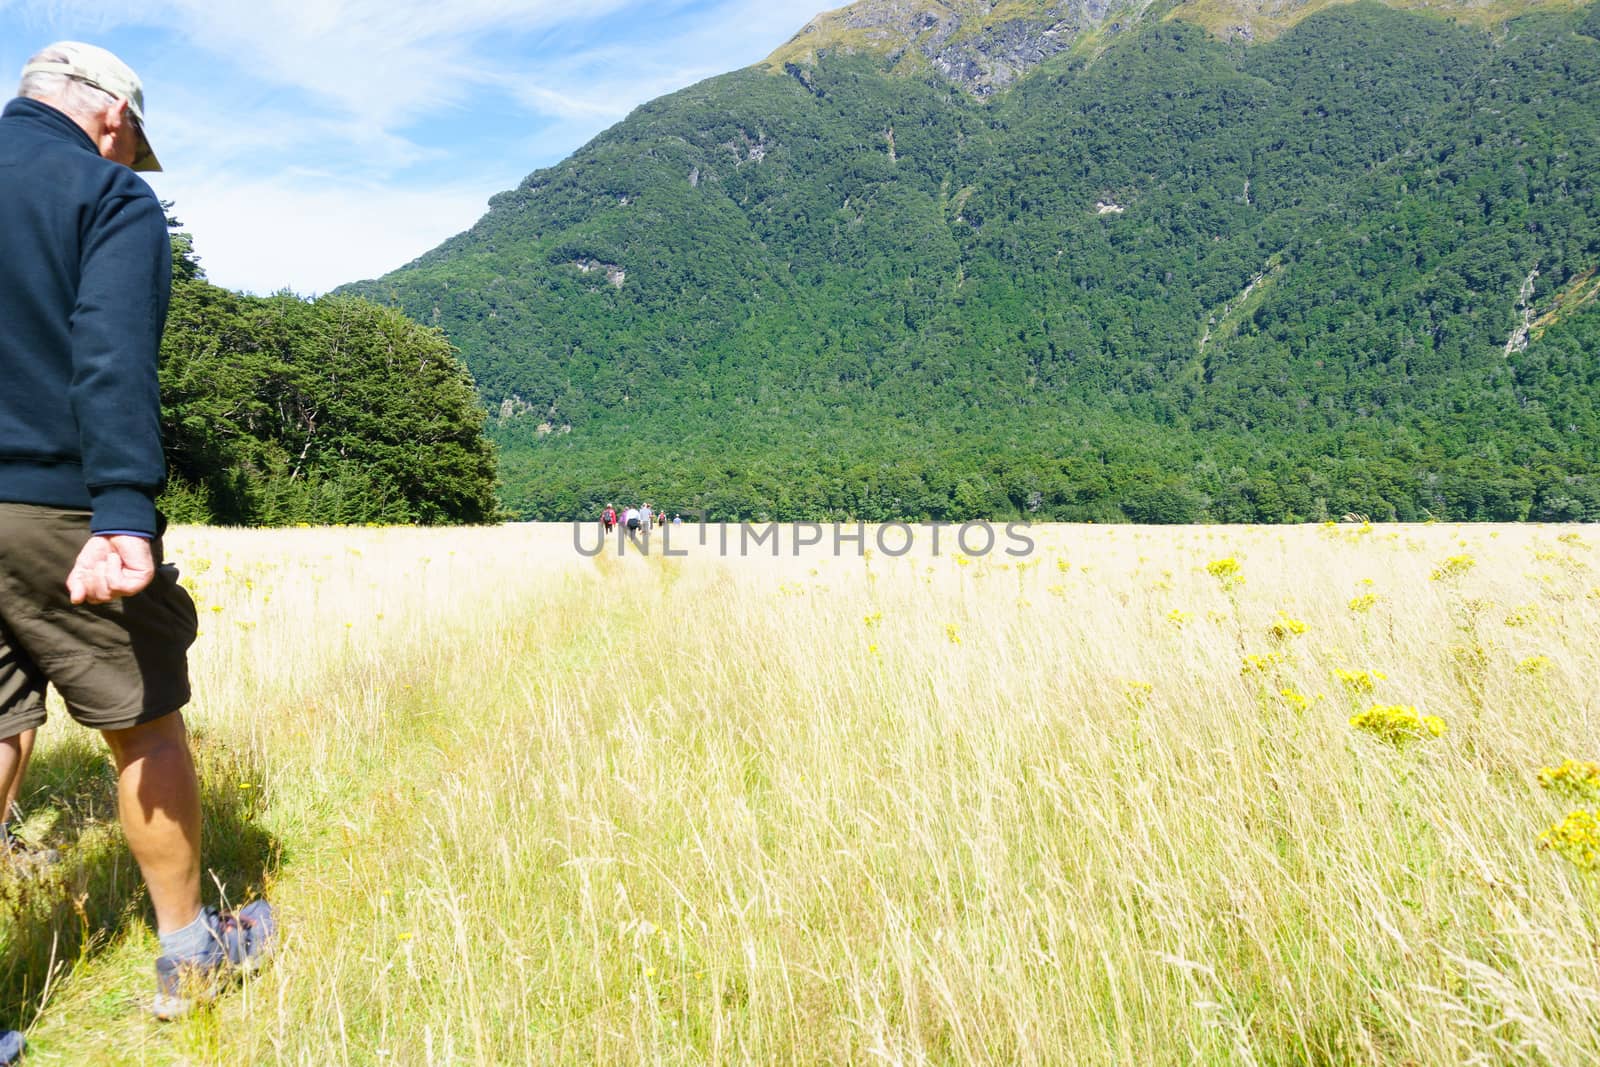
x: 280, y: 410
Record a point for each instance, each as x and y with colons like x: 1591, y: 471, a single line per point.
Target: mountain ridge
x: 985, y: 45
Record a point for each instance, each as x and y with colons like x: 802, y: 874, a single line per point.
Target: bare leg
x: 14, y: 755
x: 159, y: 796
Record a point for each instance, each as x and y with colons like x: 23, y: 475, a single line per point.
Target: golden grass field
x: 1102, y: 805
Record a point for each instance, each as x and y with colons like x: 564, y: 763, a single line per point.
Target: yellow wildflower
x: 1397, y: 724
x: 1227, y: 572
x: 1285, y: 627
x: 1526, y: 615
x: 1573, y: 780
x: 1363, y: 603
x: 952, y: 633
x: 1577, y: 838
x: 1534, y: 666
x: 1178, y: 618
x: 1137, y: 693
x: 1362, y: 681
x: 1453, y: 567
x: 1260, y: 664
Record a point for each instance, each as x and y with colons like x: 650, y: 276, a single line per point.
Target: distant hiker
x: 630, y: 518
x: 86, y: 604
x: 608, y: 518
x: 677, y: 520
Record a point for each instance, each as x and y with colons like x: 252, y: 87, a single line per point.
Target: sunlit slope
x: 985, y: 44
x: 1173, y: 278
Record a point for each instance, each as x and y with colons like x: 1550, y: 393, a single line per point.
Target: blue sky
x: 308, y: 143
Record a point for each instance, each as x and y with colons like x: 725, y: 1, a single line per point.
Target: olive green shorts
x: 116, y: 665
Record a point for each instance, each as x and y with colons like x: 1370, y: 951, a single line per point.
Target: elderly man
x: 86, y: 604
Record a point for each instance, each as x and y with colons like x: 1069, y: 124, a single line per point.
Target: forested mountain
x: 1079, y: 260
x: 280, y: 410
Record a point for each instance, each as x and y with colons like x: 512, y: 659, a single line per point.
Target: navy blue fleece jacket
x: 85, y: 275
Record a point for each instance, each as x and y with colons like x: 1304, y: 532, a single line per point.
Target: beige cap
x: 99, y: 68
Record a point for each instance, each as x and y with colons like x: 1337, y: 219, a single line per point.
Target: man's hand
x: 109, y: 567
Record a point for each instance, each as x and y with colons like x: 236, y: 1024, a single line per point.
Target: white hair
x: 76, y: 98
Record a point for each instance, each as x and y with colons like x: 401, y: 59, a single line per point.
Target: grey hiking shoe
x: 241, y: 942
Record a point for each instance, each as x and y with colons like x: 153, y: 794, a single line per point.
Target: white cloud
x: 316, y: 231
x: 611, y: 79
x: 293, y: 130
x: 309, y: 233
x: 193, y: 131
x: 389, y: 59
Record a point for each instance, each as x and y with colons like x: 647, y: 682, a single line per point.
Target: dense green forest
x: 1349, y: 270
x: 282, y: 410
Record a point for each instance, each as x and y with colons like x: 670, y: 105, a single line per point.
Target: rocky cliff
x: 986, y: 45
